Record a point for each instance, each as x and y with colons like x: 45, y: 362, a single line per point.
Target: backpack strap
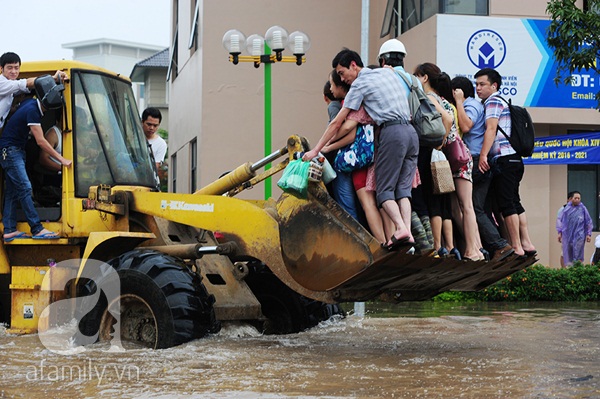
x: 498, y: 128
x: 411, y: 85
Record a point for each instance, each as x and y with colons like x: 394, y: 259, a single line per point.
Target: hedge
x: 578, y: 283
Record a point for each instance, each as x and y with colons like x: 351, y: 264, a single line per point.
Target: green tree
x: 574, y: 37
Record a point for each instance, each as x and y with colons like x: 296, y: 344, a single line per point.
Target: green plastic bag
x: 295, y: 178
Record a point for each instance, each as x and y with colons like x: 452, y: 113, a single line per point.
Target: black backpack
x: 522, y: 134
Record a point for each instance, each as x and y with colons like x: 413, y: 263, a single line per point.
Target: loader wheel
x: 162, y: 303
x: 287, y: 312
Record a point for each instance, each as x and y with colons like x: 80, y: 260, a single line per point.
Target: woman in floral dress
x: 437, y: 85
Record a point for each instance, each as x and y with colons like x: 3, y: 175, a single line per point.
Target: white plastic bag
x: 437, y: 155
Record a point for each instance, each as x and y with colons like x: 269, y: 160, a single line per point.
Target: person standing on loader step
x: 151, y: 119
x: 381, y: 93
x: 10, y: 85
x: 12, y: 158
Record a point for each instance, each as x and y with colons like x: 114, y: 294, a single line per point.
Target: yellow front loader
x: 160, y: 269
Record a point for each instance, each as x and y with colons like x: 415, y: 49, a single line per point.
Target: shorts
x: 359, y: 178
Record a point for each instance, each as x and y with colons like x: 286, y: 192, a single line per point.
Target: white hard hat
x: 392, y: 46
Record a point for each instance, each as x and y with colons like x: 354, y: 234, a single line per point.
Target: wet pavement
x: 420, y: 350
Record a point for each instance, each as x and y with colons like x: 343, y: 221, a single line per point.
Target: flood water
x: 412, y: 350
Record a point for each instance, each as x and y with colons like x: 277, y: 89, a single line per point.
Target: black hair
x: 9, y: 58
x: 338, y: 81
x: 438, y: 80
x: 393, y: 59
x: 345, y: 57
x: 327, y: 91
x: 152, y: 112
x: 572, y: 194
x: 492, y: 75
x: 465, y: 84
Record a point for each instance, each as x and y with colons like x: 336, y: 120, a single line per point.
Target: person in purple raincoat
x: 574, y: 229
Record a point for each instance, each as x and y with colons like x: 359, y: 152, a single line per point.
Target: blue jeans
x: 18, y: 189
x: 344, y: 194
x: 481, y: 185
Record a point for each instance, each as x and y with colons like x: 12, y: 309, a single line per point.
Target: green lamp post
x: 267, y: 51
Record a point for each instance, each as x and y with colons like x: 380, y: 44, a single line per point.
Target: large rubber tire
x: 162, y: 303
x: 286, y: 311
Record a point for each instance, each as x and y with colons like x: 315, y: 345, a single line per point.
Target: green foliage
x: 578, y: 283
x: 456, y: 296
x: 573, y: 37
x: 163, y: 133
x: 163, y: 170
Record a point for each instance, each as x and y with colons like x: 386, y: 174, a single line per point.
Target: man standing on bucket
x: 381, y: 93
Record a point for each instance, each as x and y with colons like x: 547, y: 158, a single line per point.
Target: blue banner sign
x: 571, y: 149
x: 517, y: 49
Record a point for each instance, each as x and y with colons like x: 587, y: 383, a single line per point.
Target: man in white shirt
x: 11, y: 86
x: 151, y: 118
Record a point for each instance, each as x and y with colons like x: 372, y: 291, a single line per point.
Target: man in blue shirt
x: 471, y: 120
x: 12, y: 158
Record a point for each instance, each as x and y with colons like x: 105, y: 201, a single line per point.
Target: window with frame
x: 193, y: 165
x: 586, y: 180
x: 400, y: 16
x: 194, y: 31
x: 174, y: 173
x: 172, y: 70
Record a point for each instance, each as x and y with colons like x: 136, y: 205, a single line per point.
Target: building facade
x: 116, y: 55
x: 151, y: 75
x: 217, y: 108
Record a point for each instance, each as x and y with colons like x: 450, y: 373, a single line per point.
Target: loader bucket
x: 325, y: 249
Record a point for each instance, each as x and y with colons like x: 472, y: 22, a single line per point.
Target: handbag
x: 295, y: 178
x: 357, y: 154
x: 441, y: 175
x: 457, y: 154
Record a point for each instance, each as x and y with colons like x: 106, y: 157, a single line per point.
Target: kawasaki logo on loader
x: 183, y: 206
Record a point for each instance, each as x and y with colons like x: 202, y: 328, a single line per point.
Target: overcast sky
x: 36, y: 29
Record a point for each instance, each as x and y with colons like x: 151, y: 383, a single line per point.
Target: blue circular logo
x: 486, y: 49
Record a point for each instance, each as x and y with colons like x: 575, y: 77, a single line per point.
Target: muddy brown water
x: 413, y: 350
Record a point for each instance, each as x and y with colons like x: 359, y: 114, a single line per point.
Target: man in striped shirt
x: 507, y: 166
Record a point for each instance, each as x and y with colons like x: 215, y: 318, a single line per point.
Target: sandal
x: 46, y: 236
x: 19, y: 235
x: 398, y: 242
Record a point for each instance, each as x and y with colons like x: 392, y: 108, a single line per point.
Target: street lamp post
x: 267, y: 51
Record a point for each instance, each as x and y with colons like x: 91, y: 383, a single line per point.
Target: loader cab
x: 100, y: 131
x: 109, y: 144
